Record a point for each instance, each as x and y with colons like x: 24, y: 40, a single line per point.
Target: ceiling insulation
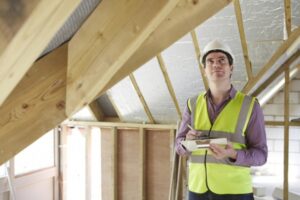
x: 264, y: 27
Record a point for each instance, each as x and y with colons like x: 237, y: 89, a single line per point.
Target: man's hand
x: 220, y: 152
x: 192, y: 135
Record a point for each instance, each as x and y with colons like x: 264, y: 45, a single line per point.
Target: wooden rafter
x: 275, y: 74
x: 281, y: 123
x: 26, y: 29
x: 115, y: 163
x: 114, y: 106
x: 198, y: 55
x: 286, y: 134
x: 96, y: 110
x: 142, y: 99
x: 35, y: 106
x: 279, y: 52
x: 98, y: 52
x: 168, y: 83
x: 239, y: 19
x: 171, y: 29
x: 142, y: 135
x: 122, y: 125
x: 288, y: 17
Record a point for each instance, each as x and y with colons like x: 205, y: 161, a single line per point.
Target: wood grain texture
x: 97, y: 52
x: 158, y: 164
x: 35, y: 106
x: 33, y: 26
x: 184, y: 18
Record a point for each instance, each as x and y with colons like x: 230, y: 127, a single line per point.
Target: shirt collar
x: 232, y: 93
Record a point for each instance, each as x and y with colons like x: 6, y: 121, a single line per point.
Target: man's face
x: 217, y: 67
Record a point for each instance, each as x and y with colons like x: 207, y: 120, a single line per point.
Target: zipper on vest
x: 205, y: 156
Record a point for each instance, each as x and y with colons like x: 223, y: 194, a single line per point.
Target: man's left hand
x: 219, y: 152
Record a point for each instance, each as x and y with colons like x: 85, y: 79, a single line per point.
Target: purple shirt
x: 256, y: 152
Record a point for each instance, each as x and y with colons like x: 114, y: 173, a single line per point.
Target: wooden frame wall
x: 136, y: 159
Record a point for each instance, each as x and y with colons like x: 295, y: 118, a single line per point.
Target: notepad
x: 192, y: 145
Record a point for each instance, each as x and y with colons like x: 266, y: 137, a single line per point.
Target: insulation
x: 223, y: 26
x: 264, y: 28
x: 127, y: 103
x: 72, y: 25
x: 182, y: 67
x: 153, y: 87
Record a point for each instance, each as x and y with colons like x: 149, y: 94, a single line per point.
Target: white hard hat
x: 217, y: 45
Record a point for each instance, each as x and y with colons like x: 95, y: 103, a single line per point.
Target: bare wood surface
x: 286, y: 136
x: 96, y: 110
x: 168, y: 83
x: 279, y: 52
x: 98, y: 52
x: 198, y: 55
x: 158, y: 164
x: 288, y: 17
x: 36, y: 28
x: 281, y: 123
x: 121, y: 125
x: 36, y: 105
x: 129, y: 185
x: 171, y: 29
x: 239, y: 19
x: 142, y: 99
x: 143, y: 168
x: 278, y: 72
x: 108, y: 164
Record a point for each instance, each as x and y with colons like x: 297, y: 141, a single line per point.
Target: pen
x: 190, y: 127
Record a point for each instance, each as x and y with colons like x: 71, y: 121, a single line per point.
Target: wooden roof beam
x: 26, y: 29
x: 142, y: 99
x: 287, y: 17
x: 279, y: 52
x: 277, y: 73
x: 107, y: 39
x: 198, y: 55
x: 119, y: 115
x: 96, y: 110
x: 35, y: 106
x: 239, y: 19
x: 185, y: 17
x: 168, y: 83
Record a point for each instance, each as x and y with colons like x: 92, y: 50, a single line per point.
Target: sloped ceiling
x: 265, y: 32
x: 133, y: 61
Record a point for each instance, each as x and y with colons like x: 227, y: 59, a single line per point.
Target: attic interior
x: 93, y: 91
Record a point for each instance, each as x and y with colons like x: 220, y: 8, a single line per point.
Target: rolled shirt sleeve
x: 256, y: 152
x: 182, y: 131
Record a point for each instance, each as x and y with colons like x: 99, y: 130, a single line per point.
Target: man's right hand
x: 192, y: 135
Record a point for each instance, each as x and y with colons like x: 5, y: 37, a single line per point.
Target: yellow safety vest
x: 206, y: 172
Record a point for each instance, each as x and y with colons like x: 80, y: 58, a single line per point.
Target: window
x: 2, y: 171
x: 37, y: 156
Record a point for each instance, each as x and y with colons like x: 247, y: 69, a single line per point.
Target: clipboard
x: 192, y: 145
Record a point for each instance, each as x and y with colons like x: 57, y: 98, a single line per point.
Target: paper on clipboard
x: 192, y: 145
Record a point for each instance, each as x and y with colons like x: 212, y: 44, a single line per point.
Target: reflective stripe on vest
x: 222, y: 176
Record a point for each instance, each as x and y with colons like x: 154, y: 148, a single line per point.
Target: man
x: 222, y: 172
